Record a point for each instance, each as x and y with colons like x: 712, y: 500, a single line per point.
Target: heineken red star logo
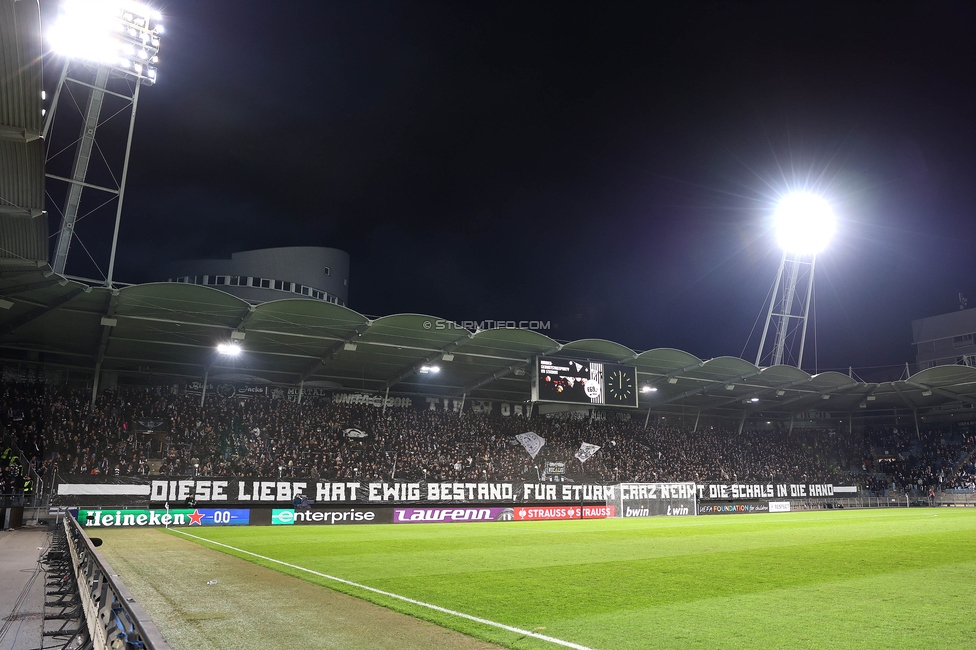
x: 196, y: 517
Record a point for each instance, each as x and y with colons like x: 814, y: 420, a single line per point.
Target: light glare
x: 805, y: 223
x: 101, y: 31
x: 229, y: 349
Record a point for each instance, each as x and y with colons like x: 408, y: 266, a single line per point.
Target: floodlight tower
x: 804, y: 224
x: 105, y: 40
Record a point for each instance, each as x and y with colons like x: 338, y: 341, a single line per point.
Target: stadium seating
x: 153, y: 431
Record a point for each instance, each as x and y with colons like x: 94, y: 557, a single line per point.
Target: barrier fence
x: 112, y: 617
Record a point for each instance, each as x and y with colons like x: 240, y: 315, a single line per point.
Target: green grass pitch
x: 848, y: 579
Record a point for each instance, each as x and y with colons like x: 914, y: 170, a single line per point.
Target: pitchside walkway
x: 22, y: 587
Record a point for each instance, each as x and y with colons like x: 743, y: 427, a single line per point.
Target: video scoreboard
x: 578, y: 381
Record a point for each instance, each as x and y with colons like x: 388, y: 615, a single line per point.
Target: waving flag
x: 586, y: 451
x: 532, y: 442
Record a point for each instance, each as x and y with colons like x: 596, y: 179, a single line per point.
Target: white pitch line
x: 484, y: 621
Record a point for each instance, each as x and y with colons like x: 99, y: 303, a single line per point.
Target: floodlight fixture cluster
x: 427, y: 370
x: 119, y: 34
x: 805, y: 223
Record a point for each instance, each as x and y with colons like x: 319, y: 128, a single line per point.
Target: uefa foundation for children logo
x: 478, y: 325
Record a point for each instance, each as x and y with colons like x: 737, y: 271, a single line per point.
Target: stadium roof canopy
x: 170, y: 331
x: 23, y: 221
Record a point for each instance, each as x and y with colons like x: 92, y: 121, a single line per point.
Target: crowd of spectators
x: 908, y: 460
x: 140, y: 432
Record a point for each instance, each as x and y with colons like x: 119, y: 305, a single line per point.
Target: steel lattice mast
x: 102, y: 41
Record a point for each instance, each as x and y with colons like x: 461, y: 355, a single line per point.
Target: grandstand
x: 117, y: 409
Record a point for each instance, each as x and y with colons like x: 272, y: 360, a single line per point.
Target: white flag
x: 586, y: 451
x: 532, y: 442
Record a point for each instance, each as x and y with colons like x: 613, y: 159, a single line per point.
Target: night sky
x: 609, y: 168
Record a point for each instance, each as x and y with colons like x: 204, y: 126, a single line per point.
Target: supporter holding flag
x: 586, y: 451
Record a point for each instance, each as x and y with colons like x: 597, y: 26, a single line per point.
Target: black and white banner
x: 150, y: 425
x: 742, y: 491
x: 85, y: 490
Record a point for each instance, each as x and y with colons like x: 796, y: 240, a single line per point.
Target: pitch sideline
x: 438, y: 608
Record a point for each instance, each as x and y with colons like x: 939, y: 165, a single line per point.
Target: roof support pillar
x: 742, y: 421
x: 108, y: 323
x: 903, y: 396
x: 203, y: 393
x: 98, y: 371
x: 40, y: 311
x: 918, y: 433
x: 647, y: 418
x: 386, y: 398
x: 301, y: 391
x: 697, y: 417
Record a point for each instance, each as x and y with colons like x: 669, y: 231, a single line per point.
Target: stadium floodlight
x: 112, y: 40
x: 429, y: 369
x: 229, y: 349
x: 115, y: 33
x: 648, y: 389
x: 805, y: 223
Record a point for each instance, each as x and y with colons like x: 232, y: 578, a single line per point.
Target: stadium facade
x: 313, y: 272
x: 946, y: 339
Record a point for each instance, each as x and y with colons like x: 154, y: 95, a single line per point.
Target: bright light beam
x: 117, y: 33
x: 804, y: 223
x: 229, y: 349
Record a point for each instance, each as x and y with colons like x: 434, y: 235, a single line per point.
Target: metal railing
x: 112, y: 616
x: 35, y: 496
x: 893, y: 500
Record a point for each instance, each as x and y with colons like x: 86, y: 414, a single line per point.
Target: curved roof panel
x: 943, y: 376
x: 665, y: 360
x: 303, y: 317
x: 184, y: 303
x: 826, y: 381
x: 600, y: 349
x: 726, y: 369
x: 777, y: 375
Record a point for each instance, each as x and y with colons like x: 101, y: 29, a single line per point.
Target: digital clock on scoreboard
x: 579, y: 381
